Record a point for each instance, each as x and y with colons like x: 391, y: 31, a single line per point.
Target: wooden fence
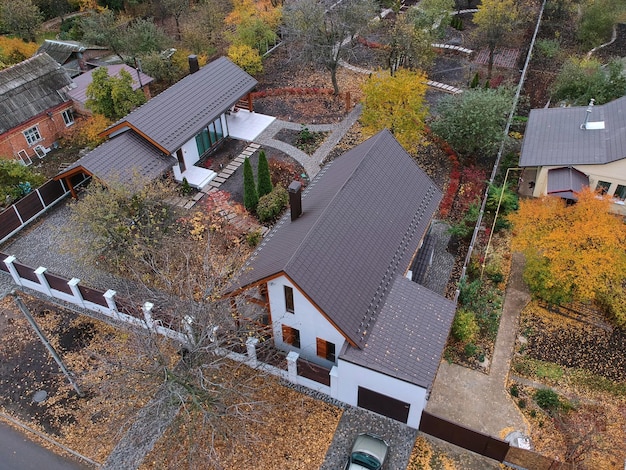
x: 27, y: 209
x: 486, y: 445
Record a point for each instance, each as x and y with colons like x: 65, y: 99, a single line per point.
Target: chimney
x: 583, y: 126
x: 295, y: 199
x: 193, y: 63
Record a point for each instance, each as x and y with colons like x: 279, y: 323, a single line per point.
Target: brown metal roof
x: 79, y: 92
x: 364, y: 216
x: 30, y: 88
x: 409, y: 336
x: 554, y: 136
x: 124, y: 159
x: 176, y: 115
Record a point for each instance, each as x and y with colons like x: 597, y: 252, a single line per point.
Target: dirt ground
x: 91, y: 350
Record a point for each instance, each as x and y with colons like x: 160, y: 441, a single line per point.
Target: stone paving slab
x: 228, y: 171
x: 220, y: 178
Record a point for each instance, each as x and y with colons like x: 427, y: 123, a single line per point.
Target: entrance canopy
x: 566, y: 182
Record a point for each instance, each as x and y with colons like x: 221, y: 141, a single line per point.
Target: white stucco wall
x: 614, y: 173
x: 351, y: 376
x: 306, y: 318
x: 190, y: 151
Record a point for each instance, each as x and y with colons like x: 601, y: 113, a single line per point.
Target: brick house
x: 34, y: 107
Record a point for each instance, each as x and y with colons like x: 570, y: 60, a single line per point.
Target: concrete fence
x: 73, y: 292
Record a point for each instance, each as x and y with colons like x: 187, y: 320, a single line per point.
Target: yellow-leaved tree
x: 573, y: 252
x: 396, y: 103
x: 495, y: 19
x: 15, y: 50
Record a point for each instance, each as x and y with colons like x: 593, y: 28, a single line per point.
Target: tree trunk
x: 333, y: 77
x: 492, y: 50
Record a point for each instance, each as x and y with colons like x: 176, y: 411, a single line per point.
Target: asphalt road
x: 19, y: 453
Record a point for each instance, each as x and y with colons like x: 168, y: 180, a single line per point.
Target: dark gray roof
x: 409, y: 336
x: 364, y: 216
x: 123, y: 159
x: 30, y: 88
x: 176, y: 115
x: 554, y: 136
x: 565, y: 182
x: 60, y: 51
x: 79, y: 92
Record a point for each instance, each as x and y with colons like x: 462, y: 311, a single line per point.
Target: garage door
x: 384, y: 405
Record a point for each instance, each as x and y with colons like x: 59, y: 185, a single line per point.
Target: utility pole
x: 45, y: 342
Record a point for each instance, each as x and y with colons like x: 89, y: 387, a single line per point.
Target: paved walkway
x: 481, y: 401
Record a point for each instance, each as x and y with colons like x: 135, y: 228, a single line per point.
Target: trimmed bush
x: 465, y: 326
x: 272, y: 204
x: 547, y: 399
x: 250, y: 196
x: 263, y: 176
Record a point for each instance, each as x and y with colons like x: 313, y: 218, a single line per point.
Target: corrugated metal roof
x: 363, y: 218
x: 554, y: 136
x: 409, y: 336
x: 30, y: 88
x: 60, y: 50
x: 180, y: 112
x: 124, y: 159
x: 79, y: 93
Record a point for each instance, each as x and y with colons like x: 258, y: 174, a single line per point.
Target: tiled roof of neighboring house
x: 554, y: 136
x: 79, y: 93
x: 363, y: 218
x: 124, y: 159
x: 30, y: 88
x: 409, y: 335
x: 176, y: 115
x: 60, y: 50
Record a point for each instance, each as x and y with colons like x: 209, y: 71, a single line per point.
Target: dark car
x: 368, y: 453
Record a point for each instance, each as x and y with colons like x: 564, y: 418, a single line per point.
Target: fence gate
x: 383, y: 405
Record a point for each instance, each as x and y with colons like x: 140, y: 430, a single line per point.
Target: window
x: 68, y: 117
x: 209, y: 136
x: 620, y: 192
x: 291, y: 336
x: 289, y: 299
x: 32, y: 135
x: 603, y: 187
x: 325, y: 349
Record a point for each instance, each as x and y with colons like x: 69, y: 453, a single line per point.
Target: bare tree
x: 180, y: 263
x: 322, y: 34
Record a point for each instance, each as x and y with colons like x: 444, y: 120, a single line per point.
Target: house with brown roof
x: 78, y: 92
x: 175, y: 129
x: 566, y: 149
x: 34, y: 107
x: 334, y: 279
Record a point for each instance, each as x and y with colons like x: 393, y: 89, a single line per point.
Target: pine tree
x: 250, y: 196
x: 263, y: 176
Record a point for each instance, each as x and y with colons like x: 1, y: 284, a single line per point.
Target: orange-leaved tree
x: 573, y: 252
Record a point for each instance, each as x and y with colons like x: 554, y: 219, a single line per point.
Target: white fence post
x: 14, y: 274
x: 292, y: 366
x: 145, y: 308
x: 73, y: 283
x: 334, y: 382
x: 39, y: 272
x: 251, y: 350
x: 109, y: 296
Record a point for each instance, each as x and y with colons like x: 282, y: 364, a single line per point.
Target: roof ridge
x: 333, y: 199
x: 371, y: 314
